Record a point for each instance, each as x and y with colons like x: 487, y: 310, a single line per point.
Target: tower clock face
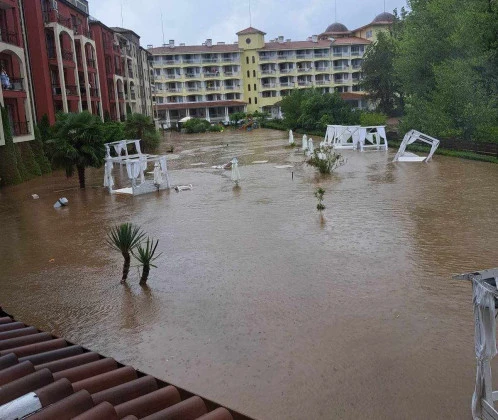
x: 248, y: 40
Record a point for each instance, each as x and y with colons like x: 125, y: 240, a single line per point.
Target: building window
x: 248, y: 73
x: 255, y: 101
x: 253, y: 59
x: 247, y: 60
x: 255, y: 86
x: 249, y: 87
x: 249, y: 101
x: 369, y: 34
x: 254, y: 73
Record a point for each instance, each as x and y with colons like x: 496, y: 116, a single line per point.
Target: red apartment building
x: 64, y: 63
x: 15, y: 89
x: 111, y: 70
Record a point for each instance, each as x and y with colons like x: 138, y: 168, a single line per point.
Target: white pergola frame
x: 136, y: 166
x: 411, y: 137
x: 342, y: 136
x: 485, y: 298
x: 371, y: 137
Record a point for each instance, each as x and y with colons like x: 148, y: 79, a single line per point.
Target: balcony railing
x: 323, y: 69
x: 304, y: 82
x: 191, y: 60
x: 321, y: 55
x: 322, y: 82
x: 286, y: 70
x: 270, y: 71
x: 232, y: 87
x: 173, y: 89
x: 209, y: 60
x: 304, y: 56
x: 340, y: 81
x: 67, y: 55
x: 120, y: 95
x: 356, y: 53
x: 304, y: 69
x: 171, y: 76
x: 191, y: 75
x: 231, y: 73
x: 94, y: 92
x: 356, y: 66
x: 340, y: 54
x: 287, y: 84
x: 213, y: 87
x: 211, y: 74
x: 341, y: 67
x: 228, y: 59
x: 133, y: 96
x: 71, y: 90
x: 9, y: 37
x: 286, y: 57
x: 64, y: 21
x: 90, y: 62
x: 16, y: 84
x: 130, y: 73
x: 191, y: 89
x: 269, y: 85
x: 20, y: 128
x: 267, y: 57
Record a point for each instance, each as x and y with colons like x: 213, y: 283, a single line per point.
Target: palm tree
x: 77, y: 143
x: 145, y: 256
x: 142, y: 127
x: 124, y: 238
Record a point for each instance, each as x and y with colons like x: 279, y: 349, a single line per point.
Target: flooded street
x: 257, y: 303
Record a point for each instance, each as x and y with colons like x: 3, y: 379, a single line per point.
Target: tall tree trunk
x: 145, y: 275
x: 81, y: 175
x: 126, y: 266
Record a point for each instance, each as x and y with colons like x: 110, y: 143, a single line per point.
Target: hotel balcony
x: 286, y: 57
x: 321, y: 55
x: 269, y: 71
x: 269, y: 85
x: 210, y: 60
x: 267, y: 57
x: 232, y: 87
x: 71, y: 90
x: 16, y: 85
x: 286, y: 70
x: 90, y: 62
x: 304, y: 82
x: 323, y: 69
x: 341, y: 81
x: 287, y: 84
x: 120, y: 95
x: 304, y: 69
x: 211, y: 74
x: 304, y: 56
x: 53, y: 16
x: 230, y: 73
x: 9, y: 37
x: 20, y: 128
x: 340, y: 68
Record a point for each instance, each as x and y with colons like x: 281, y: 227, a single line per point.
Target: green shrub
x: 150, y: 141
x: 9, y: 170
x: 196, y: 125
x: 368, y: 119
x: 39, y: 152
x: 29, y: 160
x: 236, y: 116
x: 216, y: 128
x: 487, y: 134
x: 113, y: 131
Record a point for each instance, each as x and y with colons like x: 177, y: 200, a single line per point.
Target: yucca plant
x: 319, y: 193
x: 145, y: 256
x: 124, y: 238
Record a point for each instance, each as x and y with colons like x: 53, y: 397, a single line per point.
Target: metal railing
x: 288, y: 84
x: 267, y: 57
x: 71, y: 90
x: 322, y: 82
x: 211, y: 74
x: 9, y: 37
x: 340, y: 81
x: 321, y: 55
x: 270, y: 71
x: 213, y: 87
x: 286, y: 70
x: 90, y: 62
x: 231, y: 73
x: 16, y: 84
x: 133, y: 96
x: 173, y: 89
x: 341, y: 67
x: 322, y: 68
x: 269, y: 85
x: 120, y: 95
x: 20, y: 128
x: 286, y: 57
x: 304, y: 69
x: 192, y: 75
x: 64, y: 21
x: 232, y: 87
x: 67, y: 55
x: 130, y: 73
x: 210, y: 60
x: 94, y: 92
x: 304, y: 56
x: 228, y: 59
x: 304, y: 82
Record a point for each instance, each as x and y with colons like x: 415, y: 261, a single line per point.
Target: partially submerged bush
x: 326, y: 160
x: 196, y: 125
x: 368, y: 119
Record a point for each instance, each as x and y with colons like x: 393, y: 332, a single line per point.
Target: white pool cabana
x: 371, y: 138
x: 485, y: 299
x: 138, y: 168
x: 411, y: 137
x: 342, y: 136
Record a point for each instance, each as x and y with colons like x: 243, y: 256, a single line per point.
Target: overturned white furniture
x: 139, y: 167
x: 411, y: 137
x: 485, y: 298
x: 373, y: 137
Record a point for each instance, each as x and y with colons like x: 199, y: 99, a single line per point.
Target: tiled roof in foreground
x: 43, y: 377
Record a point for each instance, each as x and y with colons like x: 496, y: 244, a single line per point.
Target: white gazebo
x: 485, y: 299
x: 372, y: 137
x: 342, y: 136
x: 411, y: 137
x: 146, y: 173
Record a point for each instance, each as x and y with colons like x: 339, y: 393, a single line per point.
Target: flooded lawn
x: 256, y: 302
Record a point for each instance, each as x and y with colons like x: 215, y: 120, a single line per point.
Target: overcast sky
x: 193, y: 21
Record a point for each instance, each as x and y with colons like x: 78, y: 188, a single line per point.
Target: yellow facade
x: 257, y: 72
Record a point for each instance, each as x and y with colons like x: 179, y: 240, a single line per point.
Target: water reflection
x: 303, y: 315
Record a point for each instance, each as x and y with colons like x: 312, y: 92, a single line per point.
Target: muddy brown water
x: 258, y: 303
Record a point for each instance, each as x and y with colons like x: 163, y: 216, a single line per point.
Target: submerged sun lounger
x: 411, y: 137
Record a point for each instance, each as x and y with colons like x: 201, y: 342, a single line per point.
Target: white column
x: 87, y: 81
x: 226, y: 114
x: 207, y: 114
x: 60, y: 67
x: 168, y: 119
x: 76, y: 78
x: 118, y: 115
x: 188, y: 112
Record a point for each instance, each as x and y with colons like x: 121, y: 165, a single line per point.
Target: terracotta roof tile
x: 350, y: 40
x: 295, y: 45
x: 250, y: 30
x: 192, y: 49
x: 71, y: 382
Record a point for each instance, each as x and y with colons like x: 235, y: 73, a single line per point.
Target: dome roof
x: 337, y: 27
x: 384, y: 17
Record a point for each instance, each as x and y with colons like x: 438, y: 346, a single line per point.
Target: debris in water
x: 35, y: 196
x: 61, y: 202
x: 283, y: 166
x: 179, y: 188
